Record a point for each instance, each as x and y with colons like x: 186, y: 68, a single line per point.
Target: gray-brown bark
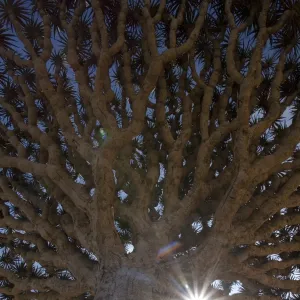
x: 126, y: 284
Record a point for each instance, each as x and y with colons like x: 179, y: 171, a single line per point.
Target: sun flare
x: 195, y: 296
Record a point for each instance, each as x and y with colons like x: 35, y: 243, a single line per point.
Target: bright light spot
x: 192, y: 295
x: 196, y: 297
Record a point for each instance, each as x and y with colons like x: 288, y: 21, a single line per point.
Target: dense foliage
x: 158, y: 136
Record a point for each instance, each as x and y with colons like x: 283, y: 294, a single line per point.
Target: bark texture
x: 125, y: 284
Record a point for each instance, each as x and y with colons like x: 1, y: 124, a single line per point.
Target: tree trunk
x: 126, y: 284
x: 164, y: 281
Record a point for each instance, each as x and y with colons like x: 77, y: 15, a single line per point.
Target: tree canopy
x: 149, y: 149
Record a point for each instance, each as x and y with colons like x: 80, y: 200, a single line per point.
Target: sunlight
x: 189, y: 286
x: 194, y: 295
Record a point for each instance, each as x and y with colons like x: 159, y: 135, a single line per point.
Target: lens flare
x: 168, y: 250
x: 195, y: 297
x: 192, y: 295
x: 185, y: 285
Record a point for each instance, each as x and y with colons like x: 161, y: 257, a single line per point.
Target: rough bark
x: 125, y: 284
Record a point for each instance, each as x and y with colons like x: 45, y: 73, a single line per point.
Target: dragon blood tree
x: 149, y: 149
